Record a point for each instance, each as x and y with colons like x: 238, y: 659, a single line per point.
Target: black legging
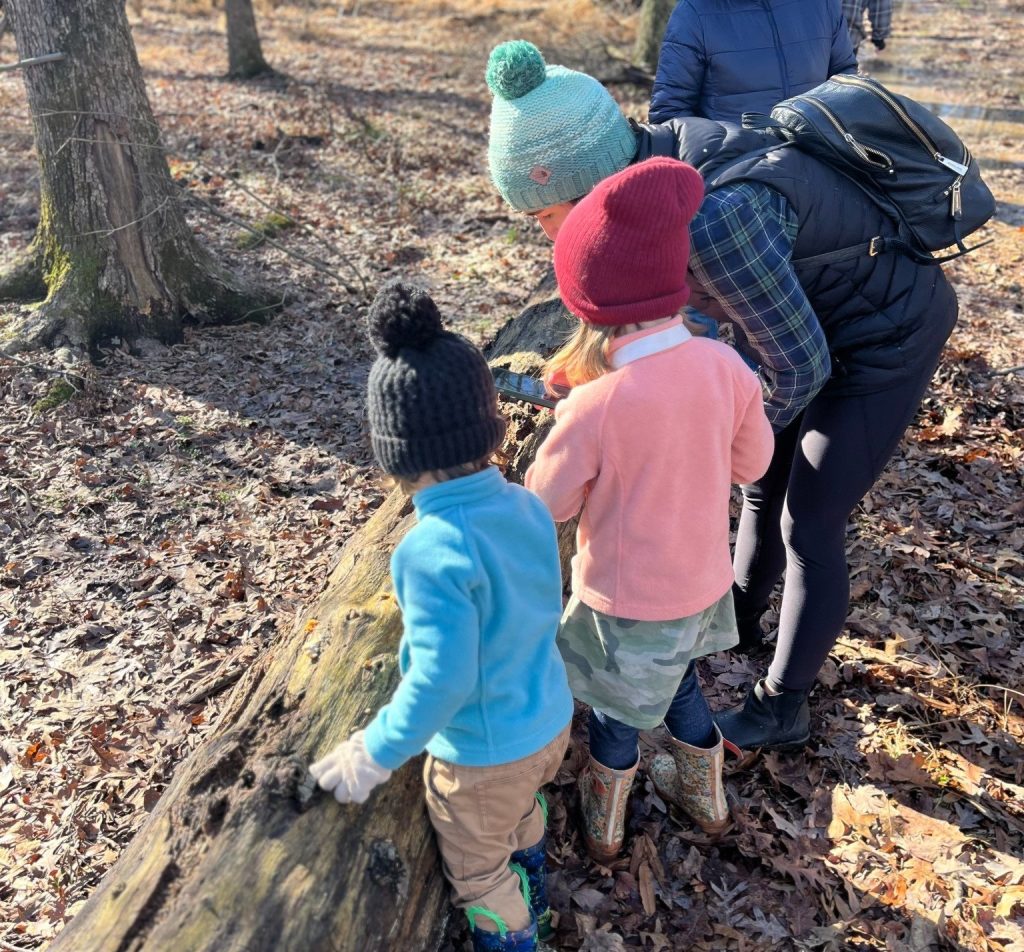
x: 795, y: 518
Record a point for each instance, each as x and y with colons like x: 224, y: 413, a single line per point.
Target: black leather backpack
x: 905, y: 159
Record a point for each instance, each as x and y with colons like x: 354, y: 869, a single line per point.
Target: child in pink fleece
x: 657, y: 428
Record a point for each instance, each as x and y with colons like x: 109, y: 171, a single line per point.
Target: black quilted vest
x: 884, y: 317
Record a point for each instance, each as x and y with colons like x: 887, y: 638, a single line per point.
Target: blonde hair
x: 584, y: 356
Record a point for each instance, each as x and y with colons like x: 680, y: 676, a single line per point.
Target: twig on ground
x: 312, y: 262
x: 1001, y: 687
x: 76, y: 380
x: 306, y: 228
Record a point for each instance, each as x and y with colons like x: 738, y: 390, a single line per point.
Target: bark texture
x: 242, y: 852
x: 118, y: 257
x: 245, y: 56
x: 654, y: 16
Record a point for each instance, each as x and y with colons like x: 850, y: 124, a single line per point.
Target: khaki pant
x: 482, y: 815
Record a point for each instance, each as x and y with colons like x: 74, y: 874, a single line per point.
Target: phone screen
x: 524, y: 387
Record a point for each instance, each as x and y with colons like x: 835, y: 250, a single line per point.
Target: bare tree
x: 113, y: 249
x: 654, y: 16
x: 242, y: 854
x: 245, y: 56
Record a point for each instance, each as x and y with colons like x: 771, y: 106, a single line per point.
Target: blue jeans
x: 688, y: 719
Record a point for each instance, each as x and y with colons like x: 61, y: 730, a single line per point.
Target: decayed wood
x: 241, y: 852
x: 117, y: 256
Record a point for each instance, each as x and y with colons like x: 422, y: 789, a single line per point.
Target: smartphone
x: 526, y: 388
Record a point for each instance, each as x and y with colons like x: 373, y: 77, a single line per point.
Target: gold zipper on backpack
x: 959, y: 167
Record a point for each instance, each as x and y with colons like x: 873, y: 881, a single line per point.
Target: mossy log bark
x: 241, y: 852
x: 245, y: 55
x: 117, y: 256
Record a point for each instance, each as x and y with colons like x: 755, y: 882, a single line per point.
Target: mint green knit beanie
x: 555, y: 133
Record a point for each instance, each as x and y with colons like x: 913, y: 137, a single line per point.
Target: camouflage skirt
x: 631, y: 669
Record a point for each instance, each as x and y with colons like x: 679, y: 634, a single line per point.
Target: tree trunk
x: 245, y: 57
x: 117, y: 256
x: 654, y: 16
x: 242, y: 852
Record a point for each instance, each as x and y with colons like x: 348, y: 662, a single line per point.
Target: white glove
x: 349, y: 771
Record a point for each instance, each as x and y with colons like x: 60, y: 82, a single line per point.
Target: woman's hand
x: 349, y: 772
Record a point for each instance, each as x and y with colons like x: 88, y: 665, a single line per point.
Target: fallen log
x: 242, y: 852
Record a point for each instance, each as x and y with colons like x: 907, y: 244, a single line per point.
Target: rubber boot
x: 534, y: 863
x: 691, y: 778
x: 524, y: 940
x: 504, y: 940
x: 604, y: 794
x: 772, y: 721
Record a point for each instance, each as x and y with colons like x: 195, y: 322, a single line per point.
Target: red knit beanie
x: 621, y: 254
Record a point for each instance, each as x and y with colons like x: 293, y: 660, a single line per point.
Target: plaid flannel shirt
x: 879, y: 15
x: 741, y: 243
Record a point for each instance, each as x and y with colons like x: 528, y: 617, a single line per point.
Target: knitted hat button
x: 540, y: 174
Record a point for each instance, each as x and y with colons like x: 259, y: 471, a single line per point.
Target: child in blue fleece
x: 483, y: 687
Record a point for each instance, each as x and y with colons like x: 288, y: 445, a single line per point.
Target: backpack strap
x: 880, y: 245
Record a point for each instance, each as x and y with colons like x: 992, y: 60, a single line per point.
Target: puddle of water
x: 950, y: 110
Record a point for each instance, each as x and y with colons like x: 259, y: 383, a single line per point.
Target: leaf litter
x: 165, y: 523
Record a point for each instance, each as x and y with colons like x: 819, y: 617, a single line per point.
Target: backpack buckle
x: 876, y: 246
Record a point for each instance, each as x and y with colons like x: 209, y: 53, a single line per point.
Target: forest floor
x: 163, y: 526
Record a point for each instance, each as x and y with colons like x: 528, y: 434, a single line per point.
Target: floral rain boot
x: 691, y: 778
x: 603, y: 796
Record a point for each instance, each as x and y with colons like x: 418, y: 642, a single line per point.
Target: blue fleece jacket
x: 480, y: 588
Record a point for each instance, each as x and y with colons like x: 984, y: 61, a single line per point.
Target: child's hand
x: 349, y: 772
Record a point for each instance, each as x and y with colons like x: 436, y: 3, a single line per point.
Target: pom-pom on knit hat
x: 555, y: 133
x: 431, y: 398
x: 621, y: 254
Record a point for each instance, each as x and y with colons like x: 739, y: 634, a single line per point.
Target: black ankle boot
x: 773, y: 721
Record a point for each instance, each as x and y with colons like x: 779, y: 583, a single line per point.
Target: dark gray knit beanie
x: 432, y: 402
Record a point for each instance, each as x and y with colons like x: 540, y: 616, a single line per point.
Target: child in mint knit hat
x: 483, y: 687
x: 537, y: 109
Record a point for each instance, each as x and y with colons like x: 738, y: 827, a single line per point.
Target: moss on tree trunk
x: 117, y: 256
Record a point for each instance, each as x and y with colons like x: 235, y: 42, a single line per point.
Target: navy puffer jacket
x: 722, y: 58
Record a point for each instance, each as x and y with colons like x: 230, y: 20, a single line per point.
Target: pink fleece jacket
x: 650, y: 450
